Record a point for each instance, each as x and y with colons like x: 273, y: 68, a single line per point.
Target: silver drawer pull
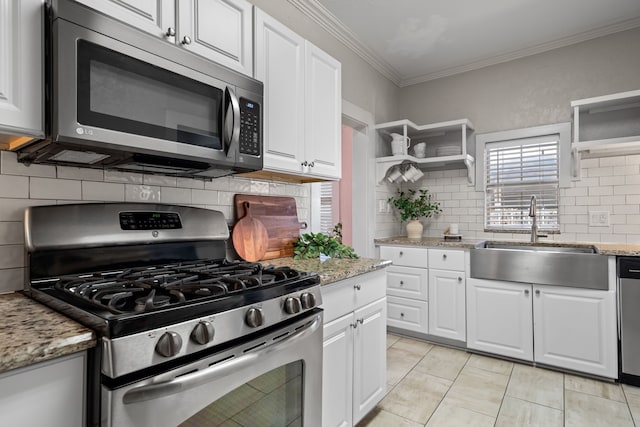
x: 459, y: 279
x: 357, y: 287
x: 401, y: 282
x: 401, y: 314
x: 526, y: 291
x: 401, y: 253
x: 444, y: 256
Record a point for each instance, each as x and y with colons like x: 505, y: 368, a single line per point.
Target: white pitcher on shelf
x: 397, y: 144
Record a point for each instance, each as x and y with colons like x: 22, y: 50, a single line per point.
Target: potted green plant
x: 413, y: 205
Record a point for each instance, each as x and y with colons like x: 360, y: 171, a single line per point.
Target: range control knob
x: 254, y: 317
x: 308, y: 300
x: 292, y: 305
x: 203, y: 333
x: 169, y: 344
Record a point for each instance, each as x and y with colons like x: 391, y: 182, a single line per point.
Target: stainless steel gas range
x: 186, y: 337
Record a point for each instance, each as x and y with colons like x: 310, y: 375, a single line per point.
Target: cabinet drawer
x: 407, y: 314
x: 408, y: 257
x: 347, y: 295
x: 407, y: 282
x: 446, y: 259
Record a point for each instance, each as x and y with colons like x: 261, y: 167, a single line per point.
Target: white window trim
x: 562, y: 130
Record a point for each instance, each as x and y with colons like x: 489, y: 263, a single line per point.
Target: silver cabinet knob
x: 538, y: 292
x: 170, y: 32
x: 357, y: 287
x: 169, y: 344
x: 526, y: 291
x: 308, y: 300
x: 401, y: 314
x: 292, y: 305
x: 203, y: 333
x: 444, y: 256
x: 401, y: 282
x: 459, y: 279
x: 312, y: 164
x: 401, y: 253
x: 186, y: 40
x: 254, y: 317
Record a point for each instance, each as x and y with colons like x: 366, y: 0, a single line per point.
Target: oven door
x: 271, y: 380
x: 113, y: 96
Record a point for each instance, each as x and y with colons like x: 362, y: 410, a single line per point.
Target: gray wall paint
x: 531, y: 91
x: 361, y: 84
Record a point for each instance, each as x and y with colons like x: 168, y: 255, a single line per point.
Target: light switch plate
x: 599, y: 218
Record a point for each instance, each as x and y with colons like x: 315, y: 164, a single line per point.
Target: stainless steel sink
x: 578, y: 249
x: 548, y: 264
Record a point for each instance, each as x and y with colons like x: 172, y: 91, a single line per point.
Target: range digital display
x: 149, y: 220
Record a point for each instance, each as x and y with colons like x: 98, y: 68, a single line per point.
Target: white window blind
x: 515, y: 170
x: 328, y: 206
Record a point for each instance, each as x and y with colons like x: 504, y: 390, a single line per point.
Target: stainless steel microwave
x: 120, y: 98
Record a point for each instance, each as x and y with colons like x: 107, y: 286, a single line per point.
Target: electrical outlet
x: 381, y: 206
x: 599, y: 218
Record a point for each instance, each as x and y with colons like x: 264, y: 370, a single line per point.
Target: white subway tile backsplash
x: 190, y: 183
x: 180, y: 196
x: 261, y: 187
x: 159, y: 180
x: 626, y: 189
x: 9, y: 165
x: 142, y: 193
x: 11, y: 256
x: 84, y: 174
x: 12, y: 233
x: 206, y: 197
x: 606, y: 190
x: 612, y: 161
x: 50, y: 188
x: 13, y: 209
x: 11, y: 279
x: 104, y: 191
x: 240, y: 185
x: 14, y: 186
x: 225, y: 198
x: 123, y: 177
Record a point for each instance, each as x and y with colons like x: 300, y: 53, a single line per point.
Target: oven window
x: 124, y: 94
x: 272, y: 399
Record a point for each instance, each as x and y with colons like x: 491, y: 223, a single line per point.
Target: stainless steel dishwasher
x: 629, y: 295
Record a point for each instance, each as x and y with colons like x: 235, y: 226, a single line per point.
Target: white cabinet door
x: 447, y: 308
x: 337, y: 372
x: 369, y: 358
x: 500, y: 318
x: 48, y: 394
x: 576, y: 329
x: 279, y: 64
x: 21, y: 65
x: 219, y: 30
x: 157, y: 17
x: 323, y: 101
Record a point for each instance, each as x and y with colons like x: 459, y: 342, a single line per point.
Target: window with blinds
x: 515, y: 170
x: 328, y: 206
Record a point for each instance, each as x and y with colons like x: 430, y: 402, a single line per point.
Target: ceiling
x: 412, y: 41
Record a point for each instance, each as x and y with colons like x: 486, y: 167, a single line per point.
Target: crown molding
x: 321, y: 15
x: 521, y: 53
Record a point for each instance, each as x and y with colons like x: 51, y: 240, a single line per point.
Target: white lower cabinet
x: 447, y: 311
x: 500, y: 318
x: 569, y: 328
x: 576, y: 329
x: 354, y: 350
x: 48, y: 394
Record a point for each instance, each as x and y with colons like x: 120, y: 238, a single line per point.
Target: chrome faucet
x: 534, y: 223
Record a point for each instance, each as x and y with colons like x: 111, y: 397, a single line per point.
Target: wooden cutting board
x: 279, y: 215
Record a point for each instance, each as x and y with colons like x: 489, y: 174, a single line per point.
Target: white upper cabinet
x: 21, y: 79
x: 280, y: 65
x: 303, y: 101
x: 157, y: 17
x: 323, y: 113
x: 219, y: 30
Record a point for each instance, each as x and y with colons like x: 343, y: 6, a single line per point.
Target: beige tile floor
x: 430, y: 385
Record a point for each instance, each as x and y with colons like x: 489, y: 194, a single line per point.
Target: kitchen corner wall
x: 22, y: 186
x: 532, y: 91
x: 609, y: 184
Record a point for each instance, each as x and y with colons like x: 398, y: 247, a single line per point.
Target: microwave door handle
x: 232, y: 118
x: 189, y: 381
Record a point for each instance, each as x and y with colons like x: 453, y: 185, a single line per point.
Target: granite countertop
x: 333, y: 269
x: 617, y: 249
x: 31, y: 332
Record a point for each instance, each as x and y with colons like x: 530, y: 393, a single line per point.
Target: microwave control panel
x: 250, y: 127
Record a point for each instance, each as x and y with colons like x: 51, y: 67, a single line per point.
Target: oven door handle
x: 187, y: 382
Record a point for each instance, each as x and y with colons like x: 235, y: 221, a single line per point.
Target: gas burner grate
x: 144, y: 289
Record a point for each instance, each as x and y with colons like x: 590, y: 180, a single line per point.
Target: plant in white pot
x: 413, y: 205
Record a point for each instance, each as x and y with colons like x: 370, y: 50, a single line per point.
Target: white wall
x: 527, y: 92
